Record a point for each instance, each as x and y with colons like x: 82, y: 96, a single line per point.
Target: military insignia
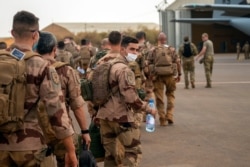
x: 55, y: 77
x: 130, y: 78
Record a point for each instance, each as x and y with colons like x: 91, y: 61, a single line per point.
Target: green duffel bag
x: 141, y: 93
x: 96, y: 146
x: 86, y: 89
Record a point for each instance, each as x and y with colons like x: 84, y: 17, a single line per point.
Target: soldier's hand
x: 177, y: 79
x: 153, y: 112
x: 87, y: 139
x: 70, y: 159
x: 196, y: 57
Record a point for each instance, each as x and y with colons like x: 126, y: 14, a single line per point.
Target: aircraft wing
x: 229, y: 9
x: 203, y: 20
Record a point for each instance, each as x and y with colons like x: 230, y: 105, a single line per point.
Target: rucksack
x: 43, y: 117
x: 64, y: 56
x: 86, y: 89
x: 100, y: 83
x: 85, y: 55
x: 187, y: 52
x: 163, y: 61
x: 12, y: 89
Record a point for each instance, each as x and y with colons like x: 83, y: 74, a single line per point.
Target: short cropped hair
x: 140, y: 35
x: 186, y: 39
x: 84, y: 41
x: 3, y: 45
x: 205, y: 34
x: 25, y: 22
x: 60, y: 45
x: 127, y: 39
x: 105, y: 41
x: 115, y: 37
x: 46, y: 43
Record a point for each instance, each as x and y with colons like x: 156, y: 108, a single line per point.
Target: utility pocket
x: 4, y: 108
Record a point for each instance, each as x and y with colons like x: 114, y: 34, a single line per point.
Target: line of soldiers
x: 54, y: 87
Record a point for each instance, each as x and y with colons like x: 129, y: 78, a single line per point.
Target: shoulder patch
x: 55, y: 77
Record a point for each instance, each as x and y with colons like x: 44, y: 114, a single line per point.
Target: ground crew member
x: 187, y: 51
x: 238, y: 49
x: 207, y: 54
x: 26, y: 147
x: 169, y: 81
x: 121, y: 139
x: 71, y: 89
x: 246, y: 48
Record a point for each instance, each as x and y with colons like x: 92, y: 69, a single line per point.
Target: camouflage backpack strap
x: 115, y: 88
x: 4, y: 52
x: 30, y: 54
x: 59, y: 64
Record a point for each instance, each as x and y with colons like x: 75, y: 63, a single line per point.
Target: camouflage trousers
x: 188, y: 68
x: 238, y: 55
x: 121, y: 143
x: 208, y: 67
x: 170, y: 86
x: 31, y: 158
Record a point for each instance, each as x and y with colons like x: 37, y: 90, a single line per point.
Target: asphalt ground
x: 211, y: 125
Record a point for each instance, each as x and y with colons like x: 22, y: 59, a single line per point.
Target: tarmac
x: 211, y: 125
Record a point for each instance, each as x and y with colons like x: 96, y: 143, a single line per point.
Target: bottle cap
x: 151, y: 100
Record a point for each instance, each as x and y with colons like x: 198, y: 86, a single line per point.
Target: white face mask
x: 131, y: 57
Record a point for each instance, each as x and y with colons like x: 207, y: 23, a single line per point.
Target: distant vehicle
x: 235, y: 13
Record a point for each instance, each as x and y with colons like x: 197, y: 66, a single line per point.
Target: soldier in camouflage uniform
x: 73, y: 48
x: 188, y: 65
x: 121, y: 139
x: 63, y: 55
x: 69, y: 80
x: 246, y: 49
x: 144, y: 49
x: 26, y: 147
x: 167, y: 83
x: 207, y: 55
x: 238, y: 50
x: 114, y: 43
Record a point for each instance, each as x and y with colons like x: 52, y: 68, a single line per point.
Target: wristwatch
x: 84, y: 131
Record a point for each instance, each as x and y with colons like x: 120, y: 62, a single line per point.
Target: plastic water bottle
x: 150, y: 120
x: 82, y: 71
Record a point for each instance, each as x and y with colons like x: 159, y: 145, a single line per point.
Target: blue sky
x: 49, y: 11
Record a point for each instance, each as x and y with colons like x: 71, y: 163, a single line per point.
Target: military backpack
x: 100, y: 83
x: 65, y: 56
x: 163, y: 61
x: 85, y: 55
x: 12, y: 89
x: 187, y: 52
